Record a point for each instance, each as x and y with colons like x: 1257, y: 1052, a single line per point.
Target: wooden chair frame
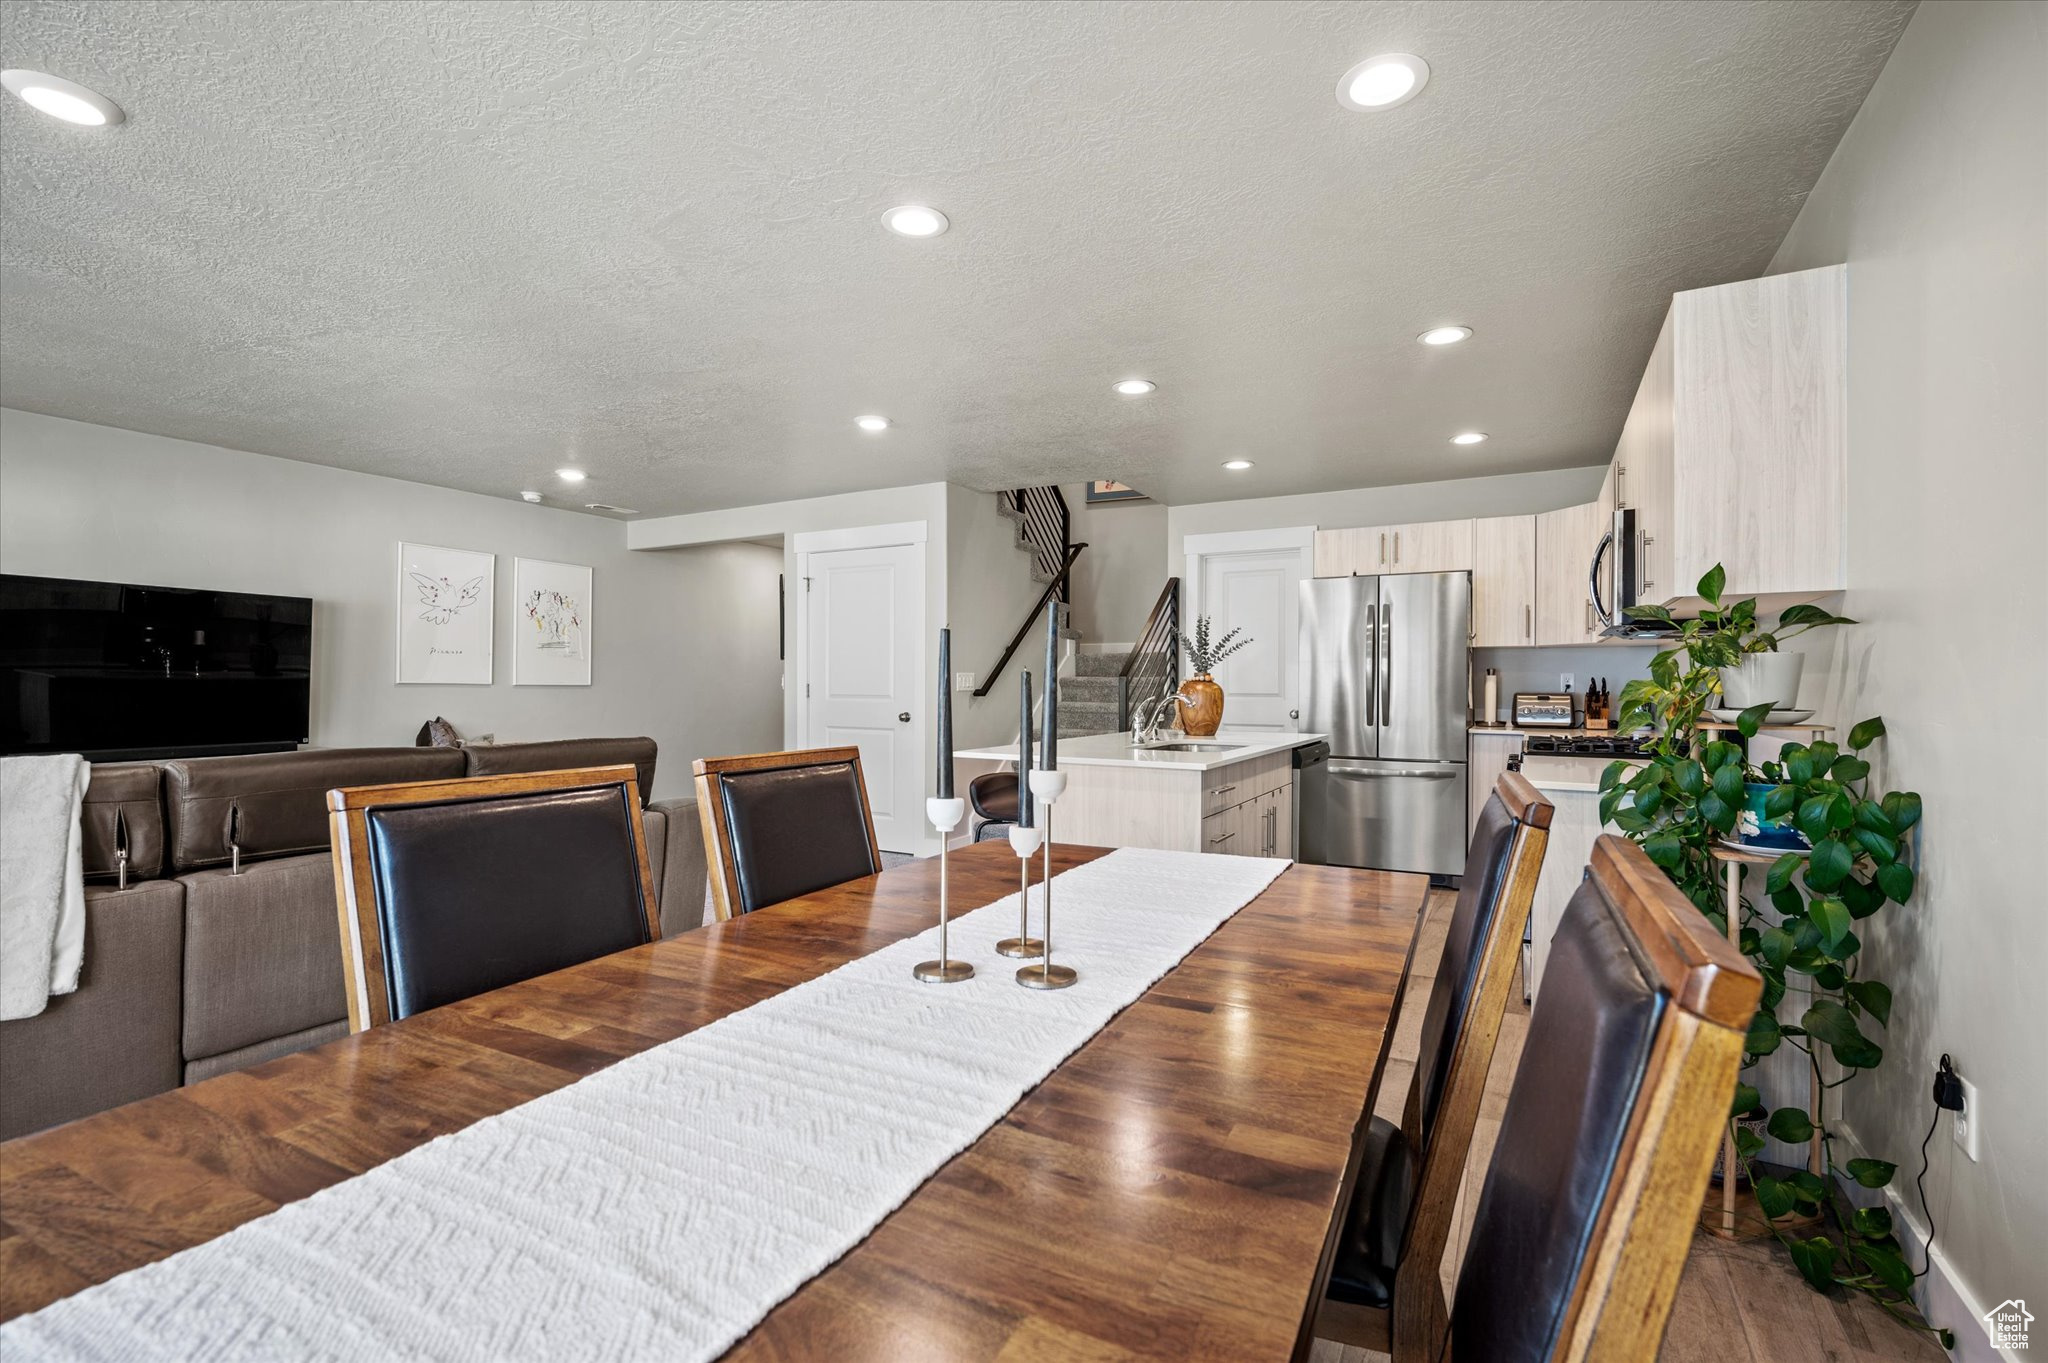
x: 1626, y: 1284
x: 1413, y: 1329
x: 711, y: 773
x: 355, y: 890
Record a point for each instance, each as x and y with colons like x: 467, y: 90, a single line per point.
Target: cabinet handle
x: 1383, y: 548
x: 1222, y: 837
x: 1223, y: 790
x: 1397, y: 546
x: 1589, y: 617
x: 1644, y: 557
x: 1528, y: 622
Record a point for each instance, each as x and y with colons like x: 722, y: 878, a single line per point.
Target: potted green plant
x: 1691, y: 794
x: 1203, y: 713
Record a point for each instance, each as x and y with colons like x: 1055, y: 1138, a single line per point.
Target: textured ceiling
x: 464, y: 243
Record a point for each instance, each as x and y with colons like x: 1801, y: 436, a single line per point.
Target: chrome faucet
x: 1145, y: 719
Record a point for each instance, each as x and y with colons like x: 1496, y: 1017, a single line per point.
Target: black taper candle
x: 1024, y: 750
x: 1049, y: 736
x: 945, y: 714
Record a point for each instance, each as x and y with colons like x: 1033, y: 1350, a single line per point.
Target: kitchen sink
x: 1191, y: 747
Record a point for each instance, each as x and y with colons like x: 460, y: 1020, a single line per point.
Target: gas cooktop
x: 1585, y: 745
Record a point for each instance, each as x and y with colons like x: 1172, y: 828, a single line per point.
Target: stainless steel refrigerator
x: 1383, y: 670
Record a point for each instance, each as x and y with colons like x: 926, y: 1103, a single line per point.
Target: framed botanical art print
x: 445, y: 602
x: 550, y: 623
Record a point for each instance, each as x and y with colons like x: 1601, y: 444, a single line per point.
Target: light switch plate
x: 963, y: 681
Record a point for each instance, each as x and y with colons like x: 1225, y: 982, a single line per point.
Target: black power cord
x: 1948, y: 1097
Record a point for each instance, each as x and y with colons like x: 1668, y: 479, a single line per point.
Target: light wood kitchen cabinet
x: 1422, y: 547
x: 1736, y: 448
x: 1429, y: 547
x: 1565, y: 541
x: 1486, y: 759
x: 1641, y: 470
x: 1503, y: 581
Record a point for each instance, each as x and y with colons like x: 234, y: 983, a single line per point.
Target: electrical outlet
x: 1968, y: 1122
x: 963, y: 681
x: 1565, y: 680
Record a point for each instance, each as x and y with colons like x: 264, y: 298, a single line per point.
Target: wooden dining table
x: 1171, y: 1190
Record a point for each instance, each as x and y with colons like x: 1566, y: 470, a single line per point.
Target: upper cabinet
x: 1736, y: 449
x: 1503, y: 581
x: 1565, y: 541
x: 1425, y: 547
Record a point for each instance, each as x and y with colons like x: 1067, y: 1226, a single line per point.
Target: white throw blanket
x: 660, y: 1208
x: 42, y: 881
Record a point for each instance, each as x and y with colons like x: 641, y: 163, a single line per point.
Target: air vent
x: 607, y: 506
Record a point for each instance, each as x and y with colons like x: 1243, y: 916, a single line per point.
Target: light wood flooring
x: 1737, y: 1303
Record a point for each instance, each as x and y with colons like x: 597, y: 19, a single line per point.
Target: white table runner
x: 661, y: 1207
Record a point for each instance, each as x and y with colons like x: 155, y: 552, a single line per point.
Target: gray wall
x: 1118, y: 578
x: 1938, y: 200
x: 988, y: 589
x: 685, y: 640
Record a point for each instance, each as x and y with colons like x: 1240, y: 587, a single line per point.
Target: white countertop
x: 1114, y: 750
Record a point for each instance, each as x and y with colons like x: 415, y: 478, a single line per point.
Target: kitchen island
x: 1230, y: 793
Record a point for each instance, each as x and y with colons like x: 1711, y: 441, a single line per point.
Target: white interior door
x: 1252, y: 581
x: 864, y: 611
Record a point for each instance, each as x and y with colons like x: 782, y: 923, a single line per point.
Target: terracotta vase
x: 1200, y: 718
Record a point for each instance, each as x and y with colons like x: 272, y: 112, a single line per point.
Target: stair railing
x: 1154, y: 662
x: 1056, y: 587
x: 1047, y: 528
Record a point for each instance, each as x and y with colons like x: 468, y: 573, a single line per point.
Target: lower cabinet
x: 1262, y: 826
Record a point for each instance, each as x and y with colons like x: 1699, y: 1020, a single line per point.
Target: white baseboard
x: 1943, y: 1296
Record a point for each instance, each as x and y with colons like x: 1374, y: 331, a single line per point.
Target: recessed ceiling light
x: 529, y: 496
x: 915, y: 220
x: 1135, y: 388
x: 571, y: 475
x: 1383, y: 82
x: 60, y: 98
x: 1468, y: 438
x: 872, y: 423
x: 1237, y: 465
x: 1444, y: 335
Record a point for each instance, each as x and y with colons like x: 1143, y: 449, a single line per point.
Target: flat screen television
x: 117, y: 671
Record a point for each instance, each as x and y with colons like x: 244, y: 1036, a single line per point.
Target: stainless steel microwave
x: 1626, y: 544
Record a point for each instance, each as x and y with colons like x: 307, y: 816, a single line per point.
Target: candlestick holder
x: 1023, y: 841
x: 945, y: 816
x: 1046, y: 789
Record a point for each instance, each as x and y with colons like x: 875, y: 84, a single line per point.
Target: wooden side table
x: 1726, y: 1224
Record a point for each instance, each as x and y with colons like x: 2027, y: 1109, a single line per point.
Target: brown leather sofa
x: 222, y: 950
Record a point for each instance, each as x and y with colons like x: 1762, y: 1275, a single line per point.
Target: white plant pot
x: 1762, y: 677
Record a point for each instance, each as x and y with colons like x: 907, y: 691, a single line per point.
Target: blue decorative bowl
x: 1753, y: 829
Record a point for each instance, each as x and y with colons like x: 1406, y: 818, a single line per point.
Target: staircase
x: 1096, y: 690
x: 1088, y: 698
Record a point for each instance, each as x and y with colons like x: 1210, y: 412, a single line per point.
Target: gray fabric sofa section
x: 262, y: 954
x: 115, y: 1038
x: 206, y: 972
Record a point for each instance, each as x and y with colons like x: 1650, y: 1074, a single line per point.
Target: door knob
x: 1294, y: 714
x: 903, y: 718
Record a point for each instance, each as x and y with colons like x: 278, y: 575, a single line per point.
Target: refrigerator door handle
x: 1386, y: 664
x: 1372, y: 680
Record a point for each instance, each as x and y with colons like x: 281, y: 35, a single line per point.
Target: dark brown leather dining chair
x: 993, y: 798
x: 1610, y: 1131
x: 1384, y: 1290
x: 447, y: 889
x: 779, y: 825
